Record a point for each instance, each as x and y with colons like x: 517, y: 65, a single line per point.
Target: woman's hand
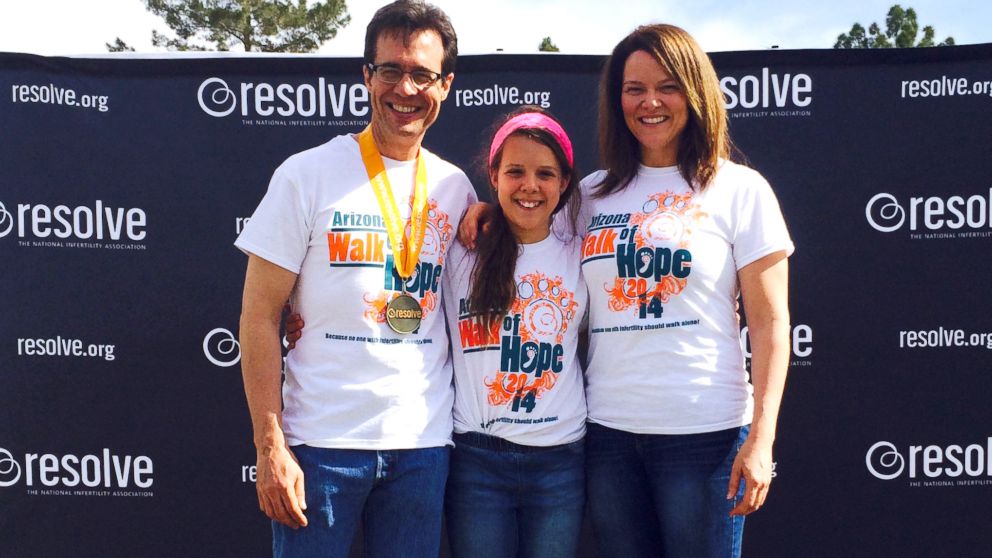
x: 753, y: 465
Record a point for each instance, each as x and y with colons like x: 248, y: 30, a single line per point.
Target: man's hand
x: 476, y: 218
x: 280, y: 486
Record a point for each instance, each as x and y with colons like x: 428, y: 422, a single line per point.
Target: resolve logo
x: 107, y: 470
x: 218, y: 99
x: 222, y: 348
x: 800, y: 342
x: 6, y: 221
x: 249, y: 473
x: 886, y: 214
x: 85, y: 223
x: 769, y: 90
x: 885, y: 461
x: 10, y: 469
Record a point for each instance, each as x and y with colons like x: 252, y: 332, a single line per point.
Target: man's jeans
x: 398, y: 494
x: 663, y: 495
x: 505, y: 500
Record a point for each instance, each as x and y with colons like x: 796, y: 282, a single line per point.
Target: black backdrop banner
x: 124, y: 182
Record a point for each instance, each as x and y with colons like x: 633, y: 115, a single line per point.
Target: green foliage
x: 257, y: 25
x: 118, y: 46
x: 901, y: 29
x: 547, y: 46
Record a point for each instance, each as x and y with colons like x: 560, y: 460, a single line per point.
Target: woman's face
x: 528, y: 184
x: 654, y: 108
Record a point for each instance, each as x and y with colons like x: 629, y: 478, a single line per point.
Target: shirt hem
x: 758, y: 254
x: 672, y: 430
x: 254, y: 250
x: 381, y: 445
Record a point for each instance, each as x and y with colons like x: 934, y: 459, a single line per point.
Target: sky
x: 77, y: 27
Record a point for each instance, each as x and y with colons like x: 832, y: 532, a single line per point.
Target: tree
x: 118, y: 46
x: 901, y: 29
x: 258, y: 25
x: 547, y: 45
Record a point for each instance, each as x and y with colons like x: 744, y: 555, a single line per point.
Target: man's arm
x: 279, y: 478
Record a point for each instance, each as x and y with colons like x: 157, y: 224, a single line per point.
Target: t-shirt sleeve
x: 279, y: 230
x: 760, y: 226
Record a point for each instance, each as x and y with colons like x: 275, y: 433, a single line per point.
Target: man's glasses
x: 391, y: 75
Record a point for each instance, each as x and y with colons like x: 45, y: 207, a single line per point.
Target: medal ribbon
x: 405, y: 254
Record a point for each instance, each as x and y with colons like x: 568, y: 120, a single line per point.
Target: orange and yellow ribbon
x: 405, y: 254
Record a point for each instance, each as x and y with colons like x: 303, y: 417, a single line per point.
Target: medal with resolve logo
x: 403, y: 312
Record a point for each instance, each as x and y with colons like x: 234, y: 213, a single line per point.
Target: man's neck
x: 397, y: 148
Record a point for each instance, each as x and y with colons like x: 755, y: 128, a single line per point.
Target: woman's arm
x: 765, y: 290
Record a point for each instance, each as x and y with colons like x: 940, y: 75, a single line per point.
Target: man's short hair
x: 406, y: 17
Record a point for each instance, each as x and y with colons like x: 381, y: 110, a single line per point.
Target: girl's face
x: 654, y: 108
x: 528, y: 184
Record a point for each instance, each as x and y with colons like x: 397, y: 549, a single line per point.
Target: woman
x: 516, y: 485
x: 517, y: 481
x: 675, y: 232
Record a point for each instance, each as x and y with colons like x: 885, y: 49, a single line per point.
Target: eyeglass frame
x: 435, y: 76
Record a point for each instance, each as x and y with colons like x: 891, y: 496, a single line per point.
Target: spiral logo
x: 888, y: 216
x: 663, y: 227
x: 222, y: 348
x: 6, y: 221
x: 10, y: 469
x: 542, y: 316
x: 216, y: 98
x: 884, y: 461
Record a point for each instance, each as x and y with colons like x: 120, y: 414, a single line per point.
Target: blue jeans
x: 505, y: 500
x: 398, y: 494
x: 663, y: 495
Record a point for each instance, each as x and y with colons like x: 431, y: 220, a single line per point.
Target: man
x: 357, y: 230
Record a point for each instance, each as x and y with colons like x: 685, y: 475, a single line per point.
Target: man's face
x: 402, y: 112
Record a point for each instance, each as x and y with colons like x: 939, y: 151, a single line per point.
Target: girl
x: 517, y: 481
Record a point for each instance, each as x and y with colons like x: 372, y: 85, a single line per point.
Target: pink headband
x: 532, y: 120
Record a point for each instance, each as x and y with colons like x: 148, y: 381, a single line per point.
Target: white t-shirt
x: 661, y: 263
x: 351, y: 382
x: 521, y: 381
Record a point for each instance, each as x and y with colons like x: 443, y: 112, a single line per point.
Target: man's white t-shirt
x: 661, y: 263
x: 352, y: 382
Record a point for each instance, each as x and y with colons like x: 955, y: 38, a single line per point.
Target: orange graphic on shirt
x: 505, y: 386
x: 666, y: 219
x: 437, y: 237
x: 545, y: 309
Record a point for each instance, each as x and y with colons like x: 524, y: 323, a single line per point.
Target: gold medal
x: 403, y: 314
